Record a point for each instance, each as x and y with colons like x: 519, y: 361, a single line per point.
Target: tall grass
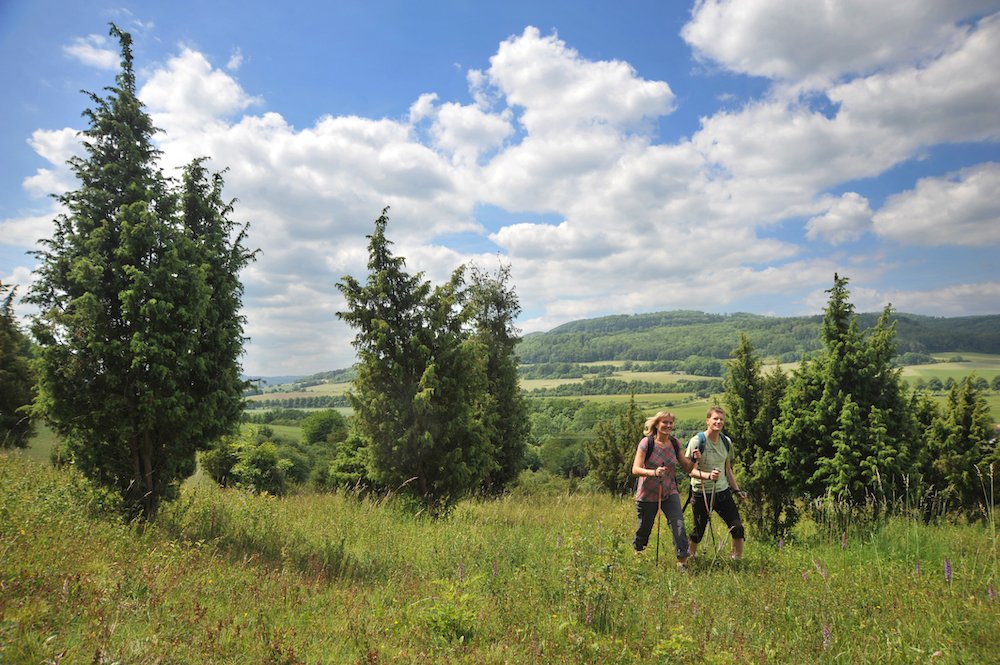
x: 227, y: 577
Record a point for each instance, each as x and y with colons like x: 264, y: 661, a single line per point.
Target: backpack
x: 702, y: 440
x: 650, y: 444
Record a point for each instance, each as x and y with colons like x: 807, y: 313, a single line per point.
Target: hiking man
x: 716, y: 494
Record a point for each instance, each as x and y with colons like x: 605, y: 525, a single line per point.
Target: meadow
x: 228, y: 577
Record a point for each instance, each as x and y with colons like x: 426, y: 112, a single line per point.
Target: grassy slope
x: 226, y: 577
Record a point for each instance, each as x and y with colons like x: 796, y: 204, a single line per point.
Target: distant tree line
x: 680, y: 335
x: 612, y: 386
x: 299, y: 402
x: 697, y: 365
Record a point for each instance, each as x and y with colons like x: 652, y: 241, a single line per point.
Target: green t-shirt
x: 714, y: 457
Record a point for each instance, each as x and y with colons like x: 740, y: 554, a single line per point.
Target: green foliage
x: 563, y: 455
x: 752, y: 401
x: 139, y: 328
x: 613, y: 386
x: 16, y: 380
x: 492, y: 308
x: 611, y: 451
x: 420, y: 397
x: 292, y: 417
x: 324, y: 426
x: 845, y: 425
x: 959, y: 450
x: 348, y: 469
x: 299, y: 402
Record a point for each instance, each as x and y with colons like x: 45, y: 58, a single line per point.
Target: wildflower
x: 820, y: 569
x: 989, y: 592
x: 781, y: 544
x: 918, y: 566
x: 947, y: 570
x: 826, y: 636
x: 558, y: 541
x: 843, y: 541
x: 805, y: 575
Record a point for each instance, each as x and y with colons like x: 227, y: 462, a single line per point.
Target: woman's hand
x: 714, y: 475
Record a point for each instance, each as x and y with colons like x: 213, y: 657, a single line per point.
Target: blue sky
x: 621, y: 157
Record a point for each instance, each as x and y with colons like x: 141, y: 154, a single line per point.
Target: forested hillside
x: 678, y: 335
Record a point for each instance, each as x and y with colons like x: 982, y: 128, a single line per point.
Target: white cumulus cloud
x: 848, y: 218
x: 93, y: 50
x: 961, y: 209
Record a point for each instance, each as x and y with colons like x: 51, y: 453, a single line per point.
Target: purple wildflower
x: 947, y: 570
x: 989, y: 592
x: 826, y: 636
x: 918, y: 566
x: 781, y: 544
x: 820, y: 569
x: 558, y: 541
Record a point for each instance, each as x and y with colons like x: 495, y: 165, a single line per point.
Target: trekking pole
x: 712, y: 509
x: 708, y: 509
x: 659, y: 502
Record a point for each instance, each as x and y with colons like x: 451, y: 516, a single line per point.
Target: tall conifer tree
x: 493, y: 306
x: 138, y: 296
x: 845, y: 425
x: 420, y: 395
x: 752, y: 402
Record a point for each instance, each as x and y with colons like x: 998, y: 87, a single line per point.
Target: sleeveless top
x: 648, y: 487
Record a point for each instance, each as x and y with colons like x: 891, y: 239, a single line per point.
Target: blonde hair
x: 652, y: 420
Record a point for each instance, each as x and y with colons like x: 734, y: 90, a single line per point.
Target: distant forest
x: 682, y: 335
x: 699, y: 343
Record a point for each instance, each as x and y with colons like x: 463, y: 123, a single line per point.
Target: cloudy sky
x: 621, y: 157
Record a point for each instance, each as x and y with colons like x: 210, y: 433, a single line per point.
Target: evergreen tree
x: 139, y: 331
x: 419, y: 398
x: 956, y: 468
x: 612, y: 450
x: 493, y: 306
x: 833, y: 434
x: 16, y: 380
x: 752, y: 403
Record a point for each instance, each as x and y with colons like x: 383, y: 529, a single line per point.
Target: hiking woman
x: 656, y: 467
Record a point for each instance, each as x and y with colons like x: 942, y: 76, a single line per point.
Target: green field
x: 229, y: 577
